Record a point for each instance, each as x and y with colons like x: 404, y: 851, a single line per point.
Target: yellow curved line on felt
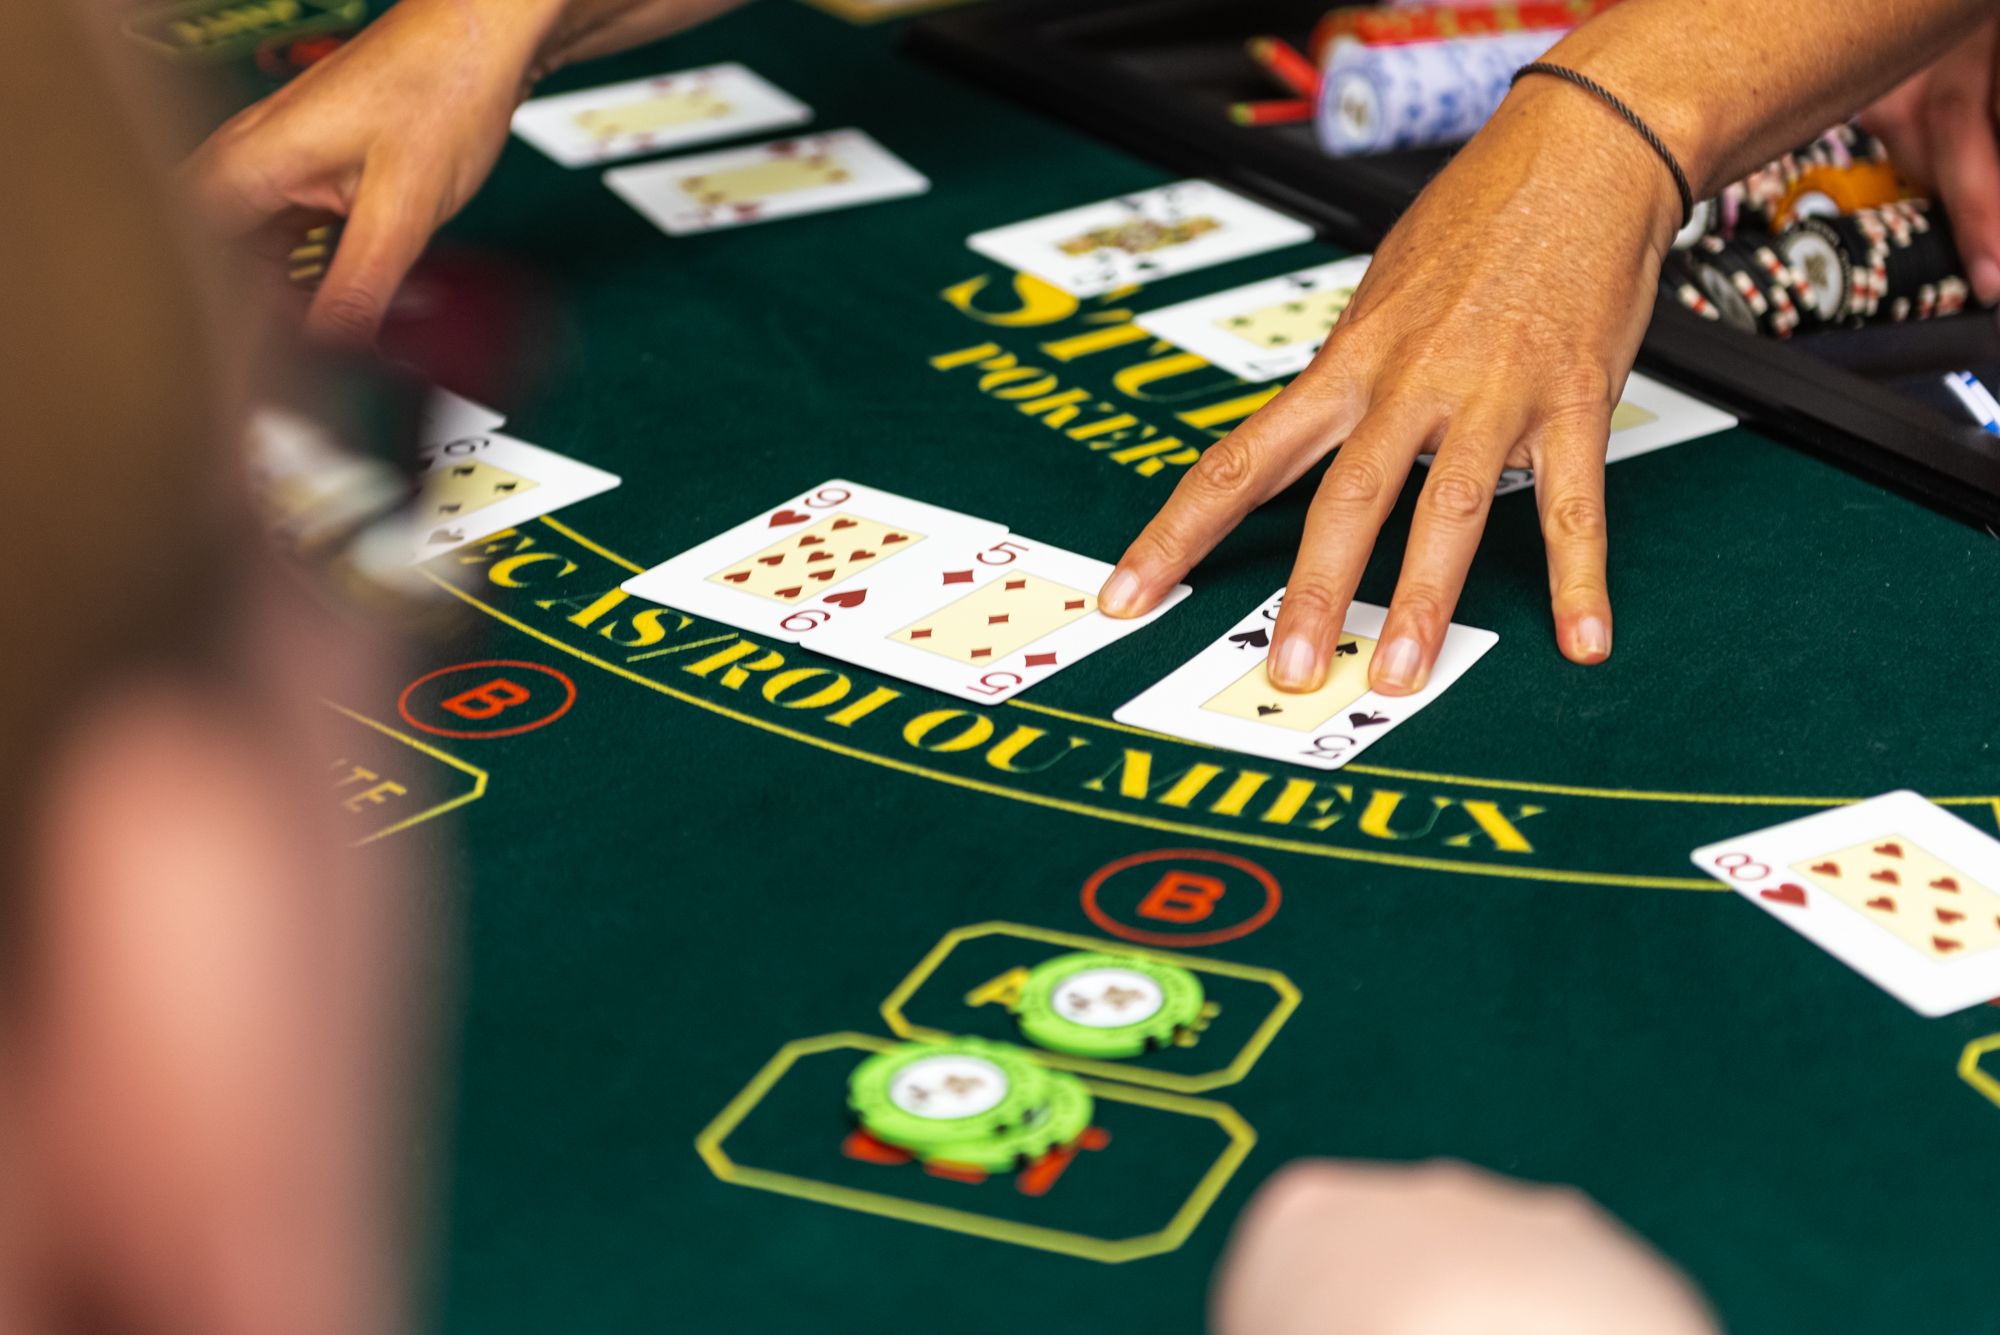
x: 1239, y: 1067
x: 1969, y: 1068
x: 1414, y: 775
x: 1525, y: 785
x: 709, y: 1144
x: 1410, y: 860
x: 432, y: 813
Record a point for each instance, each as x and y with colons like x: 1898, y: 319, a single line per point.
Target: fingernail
x: 1986, y: 279
x: 1593, y: 637
x: 1292, y: 664
x: 1396, y: 663
x: 1120, y: 594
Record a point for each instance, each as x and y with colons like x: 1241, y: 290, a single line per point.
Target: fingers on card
x: 1649, y: 417
x: 1223, y: 696
x: 670, y: 111
x: 990, y: 622
x: 1262, y: 331
x: 792, y: 571
x: 1898, y: 889
x: 1138, y: 238
x: 781, y: 179
x: 475, y: 486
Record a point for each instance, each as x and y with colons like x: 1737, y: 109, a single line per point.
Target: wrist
x: 1601, y: 156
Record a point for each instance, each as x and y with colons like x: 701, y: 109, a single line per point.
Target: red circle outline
x: 1096, y: 913
x: 403, y: 700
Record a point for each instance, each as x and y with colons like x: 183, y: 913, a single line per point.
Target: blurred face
x: 209, y: 1025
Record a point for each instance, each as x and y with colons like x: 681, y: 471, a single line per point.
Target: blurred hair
x: 116, y: 473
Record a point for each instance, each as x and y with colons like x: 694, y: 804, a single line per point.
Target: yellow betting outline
x: 1260, y: 1039
x: 1111, y: 1251
x: 477, y: 791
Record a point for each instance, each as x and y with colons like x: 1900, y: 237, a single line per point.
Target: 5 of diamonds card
x: 795, y: 569
x: 1224, y: 697
x: 652, y: 115
x: 736, y: 186
x: 1899, y: 890
x: 990, y: 622
x: 1139, y: 238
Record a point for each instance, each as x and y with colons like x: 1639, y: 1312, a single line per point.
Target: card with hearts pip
x: 738, y: 186
x: 1898, y: 889
x: 1223, y: 696
x: 990, y: 622
x: 667, y: 111
x: 794, y: 570
x: 1139, y: 238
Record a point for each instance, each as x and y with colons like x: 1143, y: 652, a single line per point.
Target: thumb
x: 385, y: 233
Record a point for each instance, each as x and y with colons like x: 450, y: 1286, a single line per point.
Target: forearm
x: 1731, y: 84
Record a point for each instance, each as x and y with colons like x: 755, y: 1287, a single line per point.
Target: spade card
x: 1897, y: 889
x: 446, y: 416
x: 794, y: 570
x: 738, y: 186
x: 1140, y: 238
x: 668, y: 111
x: 1650, y: 417
x: 990, y: 622
x: 1224, y: 697
x: 475, y: 486
x: 1262, y: 331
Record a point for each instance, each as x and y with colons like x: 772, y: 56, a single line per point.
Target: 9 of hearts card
x: 792, y: 571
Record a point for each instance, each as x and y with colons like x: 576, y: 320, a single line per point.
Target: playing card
x: 1139, y: 238
x: 473, y: 486
x: 797, y: 568
x: 1899, y: 890
x: 1223, y: 696
x: 1267, y: 330
x: 622, y: 120
x: 736, y: 186
x: 446, y: 416
x: 990, y: 622
x: 1650, y: 417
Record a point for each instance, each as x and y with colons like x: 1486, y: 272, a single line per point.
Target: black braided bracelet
x: 1612, y: 100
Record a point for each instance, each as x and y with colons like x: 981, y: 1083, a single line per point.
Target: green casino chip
x: 1061, y: 1120
x: 1095, y: 1005
x: 922, y: 1096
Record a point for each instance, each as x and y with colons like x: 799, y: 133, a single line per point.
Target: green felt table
x: 716, y: 871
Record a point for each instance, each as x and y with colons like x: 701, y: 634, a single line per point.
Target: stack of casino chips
x: 967, y: 1103
x: 1895, y: 262
x: 1744, y: 283
x: 971, y: 1103
x: 1090, y: 1004
x: 1842, y: 170
x: 1377, y: 25
x: 1892, y: 262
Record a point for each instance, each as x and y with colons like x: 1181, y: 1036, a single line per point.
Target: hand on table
x: 1939, y: 126
x: 1329, y: 1248
x: 1495, y: 326
x: 394, y: 132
